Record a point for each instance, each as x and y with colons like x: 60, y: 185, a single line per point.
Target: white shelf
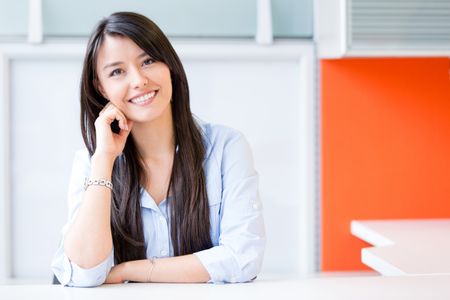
x: 405, y: 247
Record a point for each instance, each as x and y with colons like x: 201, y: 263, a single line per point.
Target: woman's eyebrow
x: 112, y: 64
x: 143, y: 54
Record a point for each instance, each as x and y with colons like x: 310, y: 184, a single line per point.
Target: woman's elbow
x: 87, y: 282
x: 251, y: 269
x: 71, y: 275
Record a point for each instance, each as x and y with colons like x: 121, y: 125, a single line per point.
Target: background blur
x: 347, y: 111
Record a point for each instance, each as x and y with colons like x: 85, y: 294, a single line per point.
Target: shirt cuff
x: 77, y: 276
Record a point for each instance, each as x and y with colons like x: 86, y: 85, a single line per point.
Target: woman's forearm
x: 181, y: 269
x: 88, y: 241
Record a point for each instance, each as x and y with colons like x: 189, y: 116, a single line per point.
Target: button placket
x: 164, y: 232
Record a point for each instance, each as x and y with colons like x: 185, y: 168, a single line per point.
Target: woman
x: 157, y: 196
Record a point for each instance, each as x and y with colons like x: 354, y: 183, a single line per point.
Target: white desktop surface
x: 348, y: 288
x: 405, y: 247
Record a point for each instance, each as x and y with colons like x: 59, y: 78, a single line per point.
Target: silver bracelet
x: 102, y: 182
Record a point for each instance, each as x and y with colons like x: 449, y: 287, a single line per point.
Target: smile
x: 144, y: 99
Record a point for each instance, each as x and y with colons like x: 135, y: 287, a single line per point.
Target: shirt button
x: 255, y: 205
x: 162, y: 219
x: 163, y: 252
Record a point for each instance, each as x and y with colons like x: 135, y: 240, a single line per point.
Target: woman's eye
x: 116, y: 72
x: 148, y: 61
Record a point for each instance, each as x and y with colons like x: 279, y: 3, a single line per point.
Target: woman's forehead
x: 117, y: 49
x: 118, y: 46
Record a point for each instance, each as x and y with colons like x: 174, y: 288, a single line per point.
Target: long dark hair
x: 189, y: 210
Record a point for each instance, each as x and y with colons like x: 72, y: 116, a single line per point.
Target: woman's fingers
x: 114, y: 276
x: 110, y: 113
x: 124, y: 133
x: 107, y: 141
x: 105, y: 108
x: 123, y: 124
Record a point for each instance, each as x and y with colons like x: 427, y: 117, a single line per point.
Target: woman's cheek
x: 117, y: 96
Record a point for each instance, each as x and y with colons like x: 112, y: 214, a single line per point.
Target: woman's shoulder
x: 218, y: 134
x: 223, y: 142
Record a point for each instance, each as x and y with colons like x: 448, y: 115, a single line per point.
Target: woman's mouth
x: 144, y: 99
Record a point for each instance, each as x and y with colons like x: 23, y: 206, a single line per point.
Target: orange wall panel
x: 385, y: 147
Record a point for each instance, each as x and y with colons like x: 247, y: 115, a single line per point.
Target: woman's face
x: 129, y: 78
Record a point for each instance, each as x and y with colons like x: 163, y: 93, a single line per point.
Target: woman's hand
x: 116, y: 274
x: 108, y: 142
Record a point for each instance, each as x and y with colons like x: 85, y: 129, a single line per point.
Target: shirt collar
x: 147, y: 201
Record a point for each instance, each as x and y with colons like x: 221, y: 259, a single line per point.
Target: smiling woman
x: 166, y: 198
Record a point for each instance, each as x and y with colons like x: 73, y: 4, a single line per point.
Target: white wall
x: 266, y: 92
x: 44, y: 133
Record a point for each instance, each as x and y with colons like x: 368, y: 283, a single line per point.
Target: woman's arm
x: 180, y: 269
x: 239, y: 254
x: 67, y: 272
x: 88, y: 241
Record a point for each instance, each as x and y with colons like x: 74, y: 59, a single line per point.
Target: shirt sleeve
x: 239, y: 255
x: 68, y: 272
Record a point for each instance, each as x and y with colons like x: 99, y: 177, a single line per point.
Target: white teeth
x: 144, y: 98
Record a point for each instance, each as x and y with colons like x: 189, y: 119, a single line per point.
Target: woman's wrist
x: 136, y: 270
x: 123, y: 274
x: 102, y: 165
x: 103, y: 156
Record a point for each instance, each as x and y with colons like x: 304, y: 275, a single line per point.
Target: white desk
x: 405, y: 247
x: 346, y: 288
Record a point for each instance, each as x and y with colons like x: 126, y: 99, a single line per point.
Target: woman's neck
x: 155, y: 140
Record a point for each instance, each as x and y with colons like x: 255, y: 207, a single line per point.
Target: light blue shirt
x: 237, y: 226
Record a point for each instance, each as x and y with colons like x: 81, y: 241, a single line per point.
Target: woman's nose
x: 138, y: 79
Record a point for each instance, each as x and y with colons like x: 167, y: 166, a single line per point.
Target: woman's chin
x: 143, y: 119
x: 149, y: 116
